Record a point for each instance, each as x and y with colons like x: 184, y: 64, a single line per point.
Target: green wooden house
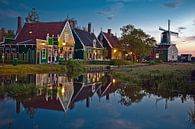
x: 40, y: 43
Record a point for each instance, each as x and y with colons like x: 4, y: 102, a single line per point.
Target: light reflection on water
x: 92, y: 101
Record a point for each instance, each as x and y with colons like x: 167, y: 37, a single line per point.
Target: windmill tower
x: 166, y: 35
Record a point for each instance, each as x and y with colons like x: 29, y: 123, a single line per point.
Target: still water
x: 93, y: 101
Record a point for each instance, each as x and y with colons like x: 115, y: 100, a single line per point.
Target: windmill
x: 166, y: 35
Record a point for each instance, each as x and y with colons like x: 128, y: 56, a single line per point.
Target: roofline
x: 79, y: 40
x: 98, y: 41
x: 67, y: 23
x: 107, y: 40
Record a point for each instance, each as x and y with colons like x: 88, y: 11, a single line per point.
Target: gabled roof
x: 40, y: 102
x: 113, y: 40
x: 87, y: 38
x: 33, y: 31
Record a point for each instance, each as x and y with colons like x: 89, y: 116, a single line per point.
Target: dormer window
x: 94, y: 43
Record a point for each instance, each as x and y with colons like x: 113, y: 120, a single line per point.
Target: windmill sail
x: 166, y: 34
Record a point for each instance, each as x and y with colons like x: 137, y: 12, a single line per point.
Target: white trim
x: 106, y: 88
x: 84, y: 48
x: 107, y: 40
x: 42, y: 53
x: 67, y: 24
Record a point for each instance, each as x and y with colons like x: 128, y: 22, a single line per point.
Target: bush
x: 156, y: 61
x: 96, y: 62
x: 15, y: 61
x: 152, y: 62
x: 61, y: 61
x: 120, y: 62
x: 74, y: 68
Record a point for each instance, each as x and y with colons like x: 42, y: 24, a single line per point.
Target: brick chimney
x: 89, y: 27
x: 19, y: 28
x: 109, y: 31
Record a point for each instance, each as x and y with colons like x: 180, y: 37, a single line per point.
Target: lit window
x: 157, y: 55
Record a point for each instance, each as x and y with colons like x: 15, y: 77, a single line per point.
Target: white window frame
x: 43, y: 50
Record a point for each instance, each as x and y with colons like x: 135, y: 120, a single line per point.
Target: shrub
x: 15, y: 61
x: 74, y: 68
x: 152, y: 62
x: 120, y: 62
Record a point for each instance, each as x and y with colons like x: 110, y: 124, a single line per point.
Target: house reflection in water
x: 60, y: 93
x: 59, y: 90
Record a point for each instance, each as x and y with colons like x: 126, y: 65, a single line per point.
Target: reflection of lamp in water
x: 63, y: 44
x: 62, y: 90
x: 113, y: 81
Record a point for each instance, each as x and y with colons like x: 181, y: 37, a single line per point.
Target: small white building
x: 167, y: 53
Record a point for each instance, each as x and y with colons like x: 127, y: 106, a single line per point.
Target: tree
x: 6, y: 33
x: 136, y: 41
x: 32, y: 17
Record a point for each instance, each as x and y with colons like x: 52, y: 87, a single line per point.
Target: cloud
x: 117, y: 124
x: 4, y: 2
x: 193, y: 22
x: 172, y: 4
x: 185, y: 40
x: 124, y: 1
x: 180, y: 29
x: 25, y: 7
x: 111, y: 11
x: 9, y: 13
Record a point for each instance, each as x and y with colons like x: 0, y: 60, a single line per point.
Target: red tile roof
x: 40, y: 102
x: 113, y: 40
x: 33, y: 31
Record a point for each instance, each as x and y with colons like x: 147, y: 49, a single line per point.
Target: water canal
x: 91, y: 101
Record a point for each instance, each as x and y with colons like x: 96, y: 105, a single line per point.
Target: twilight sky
x: 145, y: 14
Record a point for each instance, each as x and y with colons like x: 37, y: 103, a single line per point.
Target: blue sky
x: 145, y: 14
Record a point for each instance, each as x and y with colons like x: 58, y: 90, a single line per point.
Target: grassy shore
x: 130, y: 70
x: 32, y: 69
x: 141, y: 72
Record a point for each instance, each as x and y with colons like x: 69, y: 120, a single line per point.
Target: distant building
x: 186, y: 58
x: 112, y: 44
x: 40, y: 43
x: 166, y: 51
x: 87, y: 45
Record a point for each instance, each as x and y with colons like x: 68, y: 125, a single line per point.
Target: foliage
x: 156, y: 61
x: 104, y: 53
x: 120, y: 62
x: 95, y: 62
x: 7, y: 33
x: 32, y: 17
x: 136, y: 41
x: 32, y: 69
x: 15, y: 61
x: 74, y: 68
x: 20, y: 89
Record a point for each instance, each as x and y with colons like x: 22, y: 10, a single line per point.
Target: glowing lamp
x: 62, y: 90
x: 64, y: 44
x: 115, y: 50
x: 113, y: 81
